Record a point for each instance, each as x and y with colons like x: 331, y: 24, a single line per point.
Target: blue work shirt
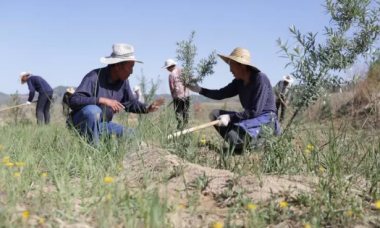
x: 97, y: 84
x: 36, y: 83
x: 256, y: 97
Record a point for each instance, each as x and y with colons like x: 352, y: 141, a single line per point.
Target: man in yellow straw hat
x: 256, y: 96
x: 65, y: 101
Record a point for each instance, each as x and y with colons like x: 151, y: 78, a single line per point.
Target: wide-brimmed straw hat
x: 120, y: 53
x: 288, y: 78
x: 240, y: 55
x: 169, y: 63
x: 71, y: 90
x: 22, y: 74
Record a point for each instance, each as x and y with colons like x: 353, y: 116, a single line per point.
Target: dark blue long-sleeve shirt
x: 97, y: 84
x: 36, y: 83
x: 256, y: 97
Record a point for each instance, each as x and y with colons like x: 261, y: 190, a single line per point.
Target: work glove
x: 224, y: 120
x: 195, y: 88
x: 28, y: 103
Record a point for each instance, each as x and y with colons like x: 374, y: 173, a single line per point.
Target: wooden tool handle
x: 282, y: 101
x: 12, y: 107
x: 193, y: 129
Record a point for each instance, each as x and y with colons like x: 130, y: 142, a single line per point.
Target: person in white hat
x: 65, y: 101
x: 256, y: 96
x: 104, y: 92
x: 283, y: 94
x: 138, y: 94
x: 45, y: 95
x: 180, y: 94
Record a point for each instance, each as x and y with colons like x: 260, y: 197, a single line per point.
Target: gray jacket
x: 280, y: 88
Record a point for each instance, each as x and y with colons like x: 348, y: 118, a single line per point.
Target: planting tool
x: 283, y: 102
x: 213, y: 123
x: 17, y: 106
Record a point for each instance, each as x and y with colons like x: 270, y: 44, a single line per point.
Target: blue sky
x: 63, y: 40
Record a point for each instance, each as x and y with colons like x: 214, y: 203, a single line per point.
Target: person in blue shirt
x: 104, y: 92
x: 45, y: 95
x: 256, y: 96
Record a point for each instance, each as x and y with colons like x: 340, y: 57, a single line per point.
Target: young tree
x: 148, y: 91
x: 353, y: 31
x: 17, y: 114
x: 186, y: 53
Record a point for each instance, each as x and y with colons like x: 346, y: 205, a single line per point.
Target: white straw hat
x: 71, y: 90
x: 120, y: 53
x: 240, y: 55
x: 136, y: 88
x: 288, y: 78
x: 169, y: 63
x: 22, y: 74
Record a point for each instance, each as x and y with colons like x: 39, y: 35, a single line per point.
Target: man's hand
x: 28, y: 103
x: 156, y: 104
x: 112, y: 104
x: 224, y: 120
x: 195, y: 88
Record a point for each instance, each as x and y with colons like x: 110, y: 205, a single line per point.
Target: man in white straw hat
x: 45, y: 95
x: 65, y: 101
x: 256, y: 96
x: 283, y: 93
x: 104, y: 92
x: 180, y: 94
x: 138, y: 94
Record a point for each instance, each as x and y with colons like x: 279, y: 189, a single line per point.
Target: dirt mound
x: 361, y: 114
x: 214, y: 189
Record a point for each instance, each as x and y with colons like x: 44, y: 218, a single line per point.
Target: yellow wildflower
x: 44, y: 175
x: 218, y: 225
x: 181, y: 206
x: 16, y: 174
x: 378, y: 204
x: 25, y: 214
x: 109, y: 179
x: 41, y: 220
x: 119, y: 168
x: 251, y: 206
x: 20, y: 163
x: 283, y: 204
x: 203, y: 141
x: 307, y: 225
x: 350, y: 213
x: 321, y: 169
x: 5, y: 159
x: 307, y: 151
x: 108, y: 197
x: 310, y: 147
x: 9, y: 164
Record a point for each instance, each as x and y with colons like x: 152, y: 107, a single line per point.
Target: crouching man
x: 106, y: 91
x: 256, y: 97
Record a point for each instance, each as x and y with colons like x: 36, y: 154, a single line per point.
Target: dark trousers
x: 234, y: 136
x: 43, y: 107
x: 279, y: 105
x: 181, y: 108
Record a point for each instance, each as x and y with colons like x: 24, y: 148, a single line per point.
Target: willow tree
x: 186, y: 53
x: 353, y: 30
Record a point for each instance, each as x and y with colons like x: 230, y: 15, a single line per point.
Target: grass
x: 65, y: 181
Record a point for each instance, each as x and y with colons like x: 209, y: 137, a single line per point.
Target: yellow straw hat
x: 240, y: 55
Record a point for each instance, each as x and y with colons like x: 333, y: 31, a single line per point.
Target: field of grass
x: 320, y: 174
